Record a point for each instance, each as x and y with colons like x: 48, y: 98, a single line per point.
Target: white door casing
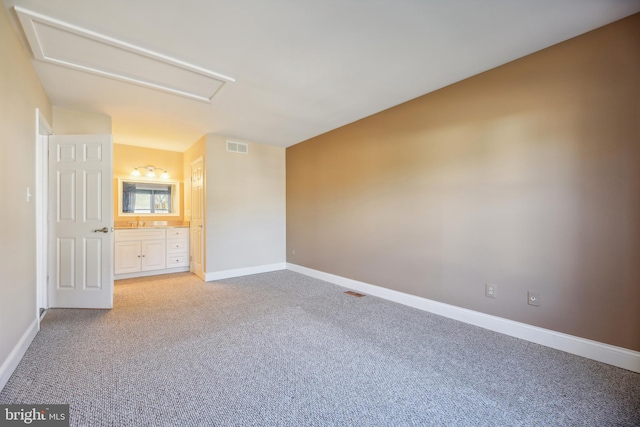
x: 42, y: 180
x: 81, y: 221
x: 196, y: 223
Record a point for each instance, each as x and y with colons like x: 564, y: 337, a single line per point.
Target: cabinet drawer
x: 177, y: 261
x: 177, y: 246
x: 139, y: 234
x: 177, y: 233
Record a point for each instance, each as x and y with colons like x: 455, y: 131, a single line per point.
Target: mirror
x: 148, y: 197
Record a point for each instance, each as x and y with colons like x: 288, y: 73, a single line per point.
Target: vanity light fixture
x: 149, y: 171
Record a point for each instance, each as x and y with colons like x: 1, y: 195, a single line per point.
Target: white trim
x: 11, y: 362
x: 601, y: 352
x: 227, y: 274
x: 43, y: 130
x: 151, y: 273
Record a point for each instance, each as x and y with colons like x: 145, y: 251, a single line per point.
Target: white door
x: 197, y: 217
x: 81, y: 221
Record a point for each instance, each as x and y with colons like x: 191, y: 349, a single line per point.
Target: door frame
x: 43, y: 130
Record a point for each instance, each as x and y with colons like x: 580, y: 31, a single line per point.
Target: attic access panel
x: 63, y: 44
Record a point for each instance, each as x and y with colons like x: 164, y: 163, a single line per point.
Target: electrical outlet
x: 533, y: 298
x: 490, y: 291
x: 293, y: 251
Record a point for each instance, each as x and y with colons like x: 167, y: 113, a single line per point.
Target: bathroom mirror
x: 148, y: 197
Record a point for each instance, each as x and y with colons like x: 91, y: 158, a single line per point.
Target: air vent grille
x: 237, y: 147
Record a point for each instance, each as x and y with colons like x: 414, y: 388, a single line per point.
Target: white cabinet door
x: 127, y: 257
x: 153, y: 255
x: 81, y: 217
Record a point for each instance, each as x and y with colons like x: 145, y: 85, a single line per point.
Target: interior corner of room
x: 508, y: 200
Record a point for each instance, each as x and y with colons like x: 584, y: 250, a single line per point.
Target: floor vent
x: 354, y: 294
x: 237, y: 147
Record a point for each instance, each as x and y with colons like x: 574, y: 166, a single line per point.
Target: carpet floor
x: 283, y: 349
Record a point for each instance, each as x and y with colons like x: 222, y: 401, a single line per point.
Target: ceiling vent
x: 238, y: 147
x: 66, y: 45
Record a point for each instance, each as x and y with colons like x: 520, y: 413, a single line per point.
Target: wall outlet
x: 533, y: 298
x: 490, y: 291
x: 293, y: 251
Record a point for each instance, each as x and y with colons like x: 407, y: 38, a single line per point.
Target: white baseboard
x: 150, y: 273
x: 10, y: 364
x: 227, y: 274
x: 606, y: 353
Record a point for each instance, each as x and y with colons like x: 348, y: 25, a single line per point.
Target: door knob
x: 101, y: 230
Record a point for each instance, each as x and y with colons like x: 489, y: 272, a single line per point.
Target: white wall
x: 245, y: 206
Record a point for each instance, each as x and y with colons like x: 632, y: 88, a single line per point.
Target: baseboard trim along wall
x: 606, y: 353
x: 10, y: 364
x: 228, y: 274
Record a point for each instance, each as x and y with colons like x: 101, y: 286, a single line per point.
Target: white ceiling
x: 302, y: 67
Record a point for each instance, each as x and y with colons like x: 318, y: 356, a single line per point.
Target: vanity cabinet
x: 177, y: 247
x: 142, y: 252
x: 139, y: 250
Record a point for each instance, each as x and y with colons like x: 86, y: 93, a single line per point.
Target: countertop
x: 129, y: 225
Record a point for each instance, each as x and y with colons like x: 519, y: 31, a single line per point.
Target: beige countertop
x: 132, y: 225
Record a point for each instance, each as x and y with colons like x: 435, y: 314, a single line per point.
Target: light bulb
x: 135, y: 172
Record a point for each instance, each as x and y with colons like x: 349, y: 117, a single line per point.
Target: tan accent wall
x: 20, y: 94
x: 526, y: 176
x: 127, y: 157
x: 71, y: 122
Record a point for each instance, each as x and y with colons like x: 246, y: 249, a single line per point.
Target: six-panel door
x: 81, y: 219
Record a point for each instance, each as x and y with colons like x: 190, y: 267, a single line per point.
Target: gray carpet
x: 282, y: 349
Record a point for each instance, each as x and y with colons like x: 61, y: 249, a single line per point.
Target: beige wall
x: 526, y: 176
x: 245, y: 206
x: 71, y: 122
x: 20, y: 94
x: 127, y: 157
